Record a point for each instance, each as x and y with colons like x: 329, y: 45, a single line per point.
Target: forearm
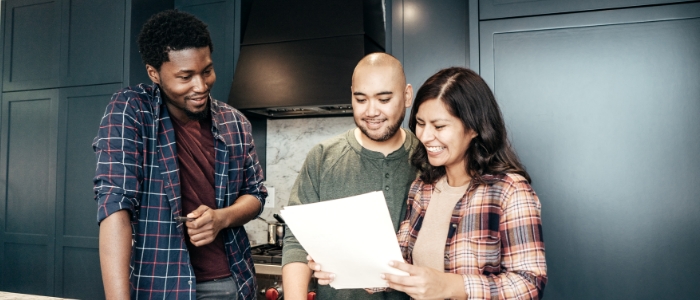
x: 243, y: 210
x: 115, y: 252
x: 296, y: 277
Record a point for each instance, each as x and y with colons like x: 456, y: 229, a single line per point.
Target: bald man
x: 372, y: 157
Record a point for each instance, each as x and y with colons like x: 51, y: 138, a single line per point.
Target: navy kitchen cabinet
x: 496, y: 9
x: 602, y: 108
x: 92, y: 42
x: 31, y: 44
x: 27, y: 184
x: 60, y: 43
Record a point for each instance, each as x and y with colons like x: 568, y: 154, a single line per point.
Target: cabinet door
x: 32, y: 44
x: 494, y: 9
x: 78, y: 274
x: 219, y: 15
x: 428, y: 36
x: 92, y: 45
x: 602, y: 108
x: 27, y: 191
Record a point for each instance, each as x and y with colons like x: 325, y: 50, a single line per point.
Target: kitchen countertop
x: 14, y: 296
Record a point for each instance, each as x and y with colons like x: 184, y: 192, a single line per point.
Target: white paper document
x: 351, y: 237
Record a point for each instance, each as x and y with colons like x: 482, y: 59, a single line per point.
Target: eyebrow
x: 192, y: 71
x: 433, y: 120
x: 377, y: 94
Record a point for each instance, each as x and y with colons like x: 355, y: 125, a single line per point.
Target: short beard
x: 197, y: 116
x: 389, y: 133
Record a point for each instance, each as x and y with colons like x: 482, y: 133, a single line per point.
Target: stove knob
x: 311, y: 296
x: 273, y: 293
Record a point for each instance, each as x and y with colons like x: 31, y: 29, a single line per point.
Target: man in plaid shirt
x: 177, y: 176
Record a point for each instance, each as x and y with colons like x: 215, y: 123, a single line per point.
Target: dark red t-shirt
x: 196, y: 156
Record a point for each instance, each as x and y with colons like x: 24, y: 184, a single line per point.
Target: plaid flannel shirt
x: 137, y: 170
x: 495, y: 237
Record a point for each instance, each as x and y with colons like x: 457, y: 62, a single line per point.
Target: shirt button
x: 386, y: 175
x: 454, y: 225
x: 386, y: 188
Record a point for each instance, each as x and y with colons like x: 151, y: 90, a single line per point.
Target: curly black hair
x: 171, y: 30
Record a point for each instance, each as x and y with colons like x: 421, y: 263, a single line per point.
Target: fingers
x: 323, y: 278
x: 198, y: 212
x: 408, y: 268
x: 203, y: 215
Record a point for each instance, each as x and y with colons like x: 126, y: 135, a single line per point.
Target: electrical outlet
x: 270, y: 200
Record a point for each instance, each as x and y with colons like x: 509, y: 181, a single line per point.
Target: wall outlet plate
x: 270, y: 200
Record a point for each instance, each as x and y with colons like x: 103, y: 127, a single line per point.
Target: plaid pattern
x: 137, y: 171
x: 494, y: 241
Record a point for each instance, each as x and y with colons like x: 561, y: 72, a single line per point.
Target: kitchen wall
x: 288, y: 142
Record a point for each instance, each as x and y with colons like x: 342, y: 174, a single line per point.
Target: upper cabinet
x: 496, y: 9
x: 31, y: 52
x: 59, y: 43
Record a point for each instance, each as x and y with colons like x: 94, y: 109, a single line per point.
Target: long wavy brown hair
x: 467, y: 97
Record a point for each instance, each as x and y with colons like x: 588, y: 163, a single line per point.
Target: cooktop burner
x: 267, y: 254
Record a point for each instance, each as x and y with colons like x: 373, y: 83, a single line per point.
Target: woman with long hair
x: 472, y: 228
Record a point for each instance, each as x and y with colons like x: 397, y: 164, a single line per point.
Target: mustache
x: 188, y: 97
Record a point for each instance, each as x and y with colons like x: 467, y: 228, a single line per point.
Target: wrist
x: 455, y: 288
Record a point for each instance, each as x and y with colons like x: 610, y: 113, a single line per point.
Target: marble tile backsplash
x: 288, y: 142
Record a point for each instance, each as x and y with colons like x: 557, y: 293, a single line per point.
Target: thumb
x: 198, y: 212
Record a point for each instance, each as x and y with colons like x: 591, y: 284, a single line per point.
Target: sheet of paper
x: 352, y: 237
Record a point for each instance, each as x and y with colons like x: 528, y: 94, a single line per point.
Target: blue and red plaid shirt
x: 137, y: 171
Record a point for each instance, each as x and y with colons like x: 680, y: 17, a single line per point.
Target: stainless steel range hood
x: 297, y: 57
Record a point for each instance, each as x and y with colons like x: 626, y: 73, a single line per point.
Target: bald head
x: 380, y: 98
x: 381, y: 60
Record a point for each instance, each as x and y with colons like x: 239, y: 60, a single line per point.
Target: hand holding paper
x: 352, y: 238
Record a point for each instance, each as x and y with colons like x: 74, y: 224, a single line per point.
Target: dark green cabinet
x: 60, y: 43
x: 496, y: 9
x: 602, y: 108
x: 48, y: 231
x: 27, y: 185
x: 31, y: 46
x: 92, y: 42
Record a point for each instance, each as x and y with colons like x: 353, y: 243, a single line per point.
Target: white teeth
x: 434, y: 149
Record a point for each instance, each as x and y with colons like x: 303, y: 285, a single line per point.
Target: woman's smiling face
x: 444, y: 136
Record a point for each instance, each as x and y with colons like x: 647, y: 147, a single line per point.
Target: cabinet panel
x: 494, y: 9
x: 31, y: 49
x: 25, y: 269
x: 602, y: 108
x: 93, y: 42
x: 84, y: 108
x: 82, y: 278
x: 27, y: 187
x: 77, y: 261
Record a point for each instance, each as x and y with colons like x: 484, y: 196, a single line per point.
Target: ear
x: 153, y: 74
x: 472, y: 134
x: 408, y: 94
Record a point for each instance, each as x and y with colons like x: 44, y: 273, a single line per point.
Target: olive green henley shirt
x: 340, y: 167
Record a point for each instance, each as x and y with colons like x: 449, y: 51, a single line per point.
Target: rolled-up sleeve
x: 119, y: 150
x: 522, y: 251
x: 253, y: 171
